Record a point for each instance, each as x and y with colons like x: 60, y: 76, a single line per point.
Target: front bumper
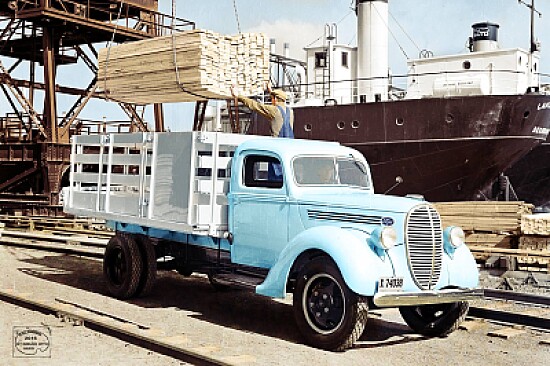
x: 394, y: 299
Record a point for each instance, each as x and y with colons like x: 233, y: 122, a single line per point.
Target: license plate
x: 390, y: 284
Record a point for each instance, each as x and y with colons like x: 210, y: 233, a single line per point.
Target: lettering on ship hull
x: 541, y: 130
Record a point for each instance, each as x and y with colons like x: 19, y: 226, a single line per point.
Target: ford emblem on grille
x: 387, y: 221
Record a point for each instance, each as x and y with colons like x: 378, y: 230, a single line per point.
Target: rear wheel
x: 149, y: 274
x: 122, y: 266
x: 436, y: 320
x: 327, y: 312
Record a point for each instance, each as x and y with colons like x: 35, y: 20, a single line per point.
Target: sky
x: 441, y: 26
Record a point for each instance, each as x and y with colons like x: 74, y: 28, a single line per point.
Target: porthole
x: 399, y: 121
x: 355, y: 124
x: 340, y: 125
x: 449, y: 118
x: 307, y: 127
x: 466, y: 65
x: 526, y: 114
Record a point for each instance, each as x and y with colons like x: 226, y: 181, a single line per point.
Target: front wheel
x: 436, y: 320
x: 329, y: 315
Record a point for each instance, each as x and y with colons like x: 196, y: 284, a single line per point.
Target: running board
x: 248, y: 282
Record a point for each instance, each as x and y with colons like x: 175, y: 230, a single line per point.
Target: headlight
x: 383, y: 237
x: 454, y: 238
x: 388, y: 237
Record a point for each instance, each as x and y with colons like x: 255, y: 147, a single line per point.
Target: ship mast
x: 534, y: 46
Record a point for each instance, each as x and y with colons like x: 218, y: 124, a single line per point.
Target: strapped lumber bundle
x: 536, y: 239
x: 145, y: 72
x: 485, y: 216
x: 536, y: 245
x: 537, y: 224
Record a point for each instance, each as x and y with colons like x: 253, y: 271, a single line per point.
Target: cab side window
x: 263, y: 171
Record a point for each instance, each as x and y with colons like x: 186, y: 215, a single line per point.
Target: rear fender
x: 358, y: 263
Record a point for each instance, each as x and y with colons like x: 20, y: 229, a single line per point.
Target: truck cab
x: 279, y: 216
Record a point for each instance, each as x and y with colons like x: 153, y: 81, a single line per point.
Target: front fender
x: 358, y: 263
x: 462, y: 268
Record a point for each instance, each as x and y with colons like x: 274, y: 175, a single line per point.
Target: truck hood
x: 357, y: 200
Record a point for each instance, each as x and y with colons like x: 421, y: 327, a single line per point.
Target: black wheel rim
x: 323, y: 303
x: 431, y: 313
x: 116, y: 266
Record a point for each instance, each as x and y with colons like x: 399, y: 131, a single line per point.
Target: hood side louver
x: 344, y: 217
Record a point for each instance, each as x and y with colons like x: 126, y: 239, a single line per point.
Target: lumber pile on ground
x: 502, y: 229
x: 478, y: 242
x: 485, y: 216
x: 208, y: 63
x: 537, y: 224
x: 537, y: 245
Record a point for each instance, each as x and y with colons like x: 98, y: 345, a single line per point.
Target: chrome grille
x: 424, y: 243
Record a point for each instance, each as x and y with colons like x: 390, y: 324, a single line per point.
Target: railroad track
x: 126, y: 330
x: 535, y: 315
x: 74, y: 244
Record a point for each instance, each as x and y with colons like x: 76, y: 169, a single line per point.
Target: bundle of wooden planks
x: 537, y: 224
x: 484, y: 216
x: 184, y: 67
x: 479, y: 242
x: 538, y: 248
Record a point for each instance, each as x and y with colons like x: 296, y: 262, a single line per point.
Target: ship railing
x: 503, y: 82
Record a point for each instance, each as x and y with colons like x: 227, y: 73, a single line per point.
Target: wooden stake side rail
x: 188, y: 66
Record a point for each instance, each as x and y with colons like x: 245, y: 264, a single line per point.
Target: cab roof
x: 288, y: 148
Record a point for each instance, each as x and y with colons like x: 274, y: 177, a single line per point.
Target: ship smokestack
x: 372, y: 50
x: 484, y: 37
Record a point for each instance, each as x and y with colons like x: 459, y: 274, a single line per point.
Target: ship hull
x: 530, y: 176
x: 446, y: 149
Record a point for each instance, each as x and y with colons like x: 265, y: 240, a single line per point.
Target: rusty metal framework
x: 47, y: 35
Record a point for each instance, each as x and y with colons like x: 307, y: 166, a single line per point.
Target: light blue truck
x: 279, y: 216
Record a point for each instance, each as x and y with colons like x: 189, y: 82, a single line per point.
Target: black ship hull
x: 446, y: 149
x: 530, y: 176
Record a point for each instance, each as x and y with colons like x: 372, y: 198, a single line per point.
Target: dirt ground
x: 235, y: 326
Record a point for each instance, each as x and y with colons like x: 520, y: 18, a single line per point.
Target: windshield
x: 330, y: 170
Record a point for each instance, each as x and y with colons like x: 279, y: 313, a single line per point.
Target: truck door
x: 259, y: 212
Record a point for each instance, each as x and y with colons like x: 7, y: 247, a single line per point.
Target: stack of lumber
x: 208, y: 63
x: 538, y: 249
x: 479, y: 242
x: 537, y: 224
x: 536, y: 240
x: 484, y: 216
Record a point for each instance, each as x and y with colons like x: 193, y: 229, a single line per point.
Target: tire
x: 437, y: 320
x: 149, y: 274
x: 122, y: 266
x: 329, y: 315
